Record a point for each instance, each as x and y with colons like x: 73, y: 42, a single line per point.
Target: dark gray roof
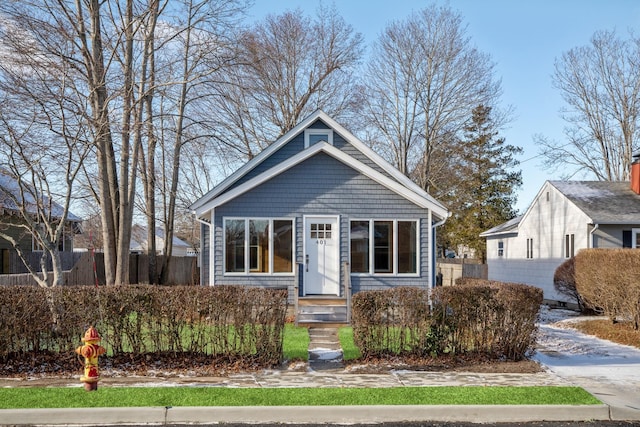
x: 510, y: 226
x: 604, y: 202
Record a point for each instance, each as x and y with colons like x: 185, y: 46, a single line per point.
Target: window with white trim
x: 500, y: 248
x: 529, y: 248
x: 258, y: 246
x: 384, y: 247
x: 313, y: 136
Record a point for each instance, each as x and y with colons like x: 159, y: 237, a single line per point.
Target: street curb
x: 306, y: 414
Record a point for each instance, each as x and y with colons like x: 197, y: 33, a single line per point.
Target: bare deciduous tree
x: 423, y: 80
x: 290, y: 65
x: 600, y: 84
x: 43, y: 142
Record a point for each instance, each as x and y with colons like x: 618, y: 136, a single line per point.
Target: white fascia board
x: 377, y: 159
x: 253, y: 163
x: 409, y: 194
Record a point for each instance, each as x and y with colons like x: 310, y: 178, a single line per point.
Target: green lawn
x: 349, y: 349
x: 53, y: 397
x: 295, y: 343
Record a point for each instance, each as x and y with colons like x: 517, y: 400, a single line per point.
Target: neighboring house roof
x: 508, y: 227
x: 139, y: 239
x: 602, y: 201
x: 10, y: 195
x: 398, y: 182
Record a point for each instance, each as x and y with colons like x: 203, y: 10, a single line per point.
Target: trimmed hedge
x: 610, y: 280
x: 234, y: 321
x: 480, y: 317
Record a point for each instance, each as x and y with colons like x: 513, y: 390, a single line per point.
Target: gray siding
x: 296, y: 145
x: 204, y: 254
x: 610, y: 236
x: 322, y: 186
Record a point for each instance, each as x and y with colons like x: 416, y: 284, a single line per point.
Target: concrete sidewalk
x: 612, y: 409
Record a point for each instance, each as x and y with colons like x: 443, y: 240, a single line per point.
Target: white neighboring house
x: 139, y: 242
x: 564, y: 217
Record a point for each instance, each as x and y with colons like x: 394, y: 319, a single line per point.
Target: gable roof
x: 605, y: 202
x: 510, y: 226
x: 399, y: 183
x: 11, y: 197
x: 139, y: 238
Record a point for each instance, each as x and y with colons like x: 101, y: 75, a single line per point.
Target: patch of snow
x: 581, y: 358
x: 326, y: 353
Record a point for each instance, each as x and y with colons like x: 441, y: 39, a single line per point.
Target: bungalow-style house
x: 565, y: 216
x: 12, y: 226
x: 320, y: 213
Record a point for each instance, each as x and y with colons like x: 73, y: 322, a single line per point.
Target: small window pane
x: 259, y: 246
x: 282, y: 246
x: 383, y: 246
x: 315, y: 138
x: 407, y: 251
x: 359, y: 246
x: 234, y: 245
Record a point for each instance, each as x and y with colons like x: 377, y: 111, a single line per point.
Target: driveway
x: 609, y: 371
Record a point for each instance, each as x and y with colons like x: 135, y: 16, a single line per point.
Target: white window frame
x: 530, y: 248
x: 394, y: 273
x: 309, y: 132
x: 501, y: 248
x: 247, y: 268
x: 635, y: 244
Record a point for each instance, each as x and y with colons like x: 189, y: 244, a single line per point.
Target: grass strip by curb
x: 58, y: 397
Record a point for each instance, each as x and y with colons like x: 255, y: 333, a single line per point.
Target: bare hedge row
x: 609, y: 280
x: 478, y: 316
x: 233, y: 321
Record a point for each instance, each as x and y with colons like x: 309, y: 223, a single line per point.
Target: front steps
x: 325, y: 352
x: 323, y: 312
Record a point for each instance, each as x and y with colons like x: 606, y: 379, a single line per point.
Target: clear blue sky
x: 523, y: 37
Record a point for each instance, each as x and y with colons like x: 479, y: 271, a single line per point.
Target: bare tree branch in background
x: 600, y: 84
x: 291, y: 65
x: 43, y: 142
x: 423, y: 81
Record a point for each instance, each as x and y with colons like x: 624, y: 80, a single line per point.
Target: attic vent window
x: 313, y: 136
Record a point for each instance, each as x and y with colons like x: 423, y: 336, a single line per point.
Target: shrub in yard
x: 608, y: 278
x: 494, y: 318
x: 391, y: 322
x: 564, y: 281
x: 234, y: 322
x: 480, y: 317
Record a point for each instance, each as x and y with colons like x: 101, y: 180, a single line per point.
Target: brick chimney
x: 635, y: 173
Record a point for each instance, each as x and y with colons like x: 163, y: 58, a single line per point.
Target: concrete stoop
x: 324, y: 349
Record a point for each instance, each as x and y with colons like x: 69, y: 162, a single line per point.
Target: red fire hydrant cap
x: 91, y: 335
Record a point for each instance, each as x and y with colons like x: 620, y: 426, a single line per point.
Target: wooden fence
x: 450, y: 269
x: 182, y: 271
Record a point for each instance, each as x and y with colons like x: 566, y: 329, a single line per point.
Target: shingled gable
x: 395, y: 181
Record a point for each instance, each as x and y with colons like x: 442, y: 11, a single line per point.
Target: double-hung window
x: 569, y: 240
x: 529, y: 248
x: 258, y: 246
x: 384, y: 247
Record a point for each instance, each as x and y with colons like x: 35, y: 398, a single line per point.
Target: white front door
x: 321, y: 259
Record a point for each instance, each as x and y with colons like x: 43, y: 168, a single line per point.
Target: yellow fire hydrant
x: 91, y: 351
